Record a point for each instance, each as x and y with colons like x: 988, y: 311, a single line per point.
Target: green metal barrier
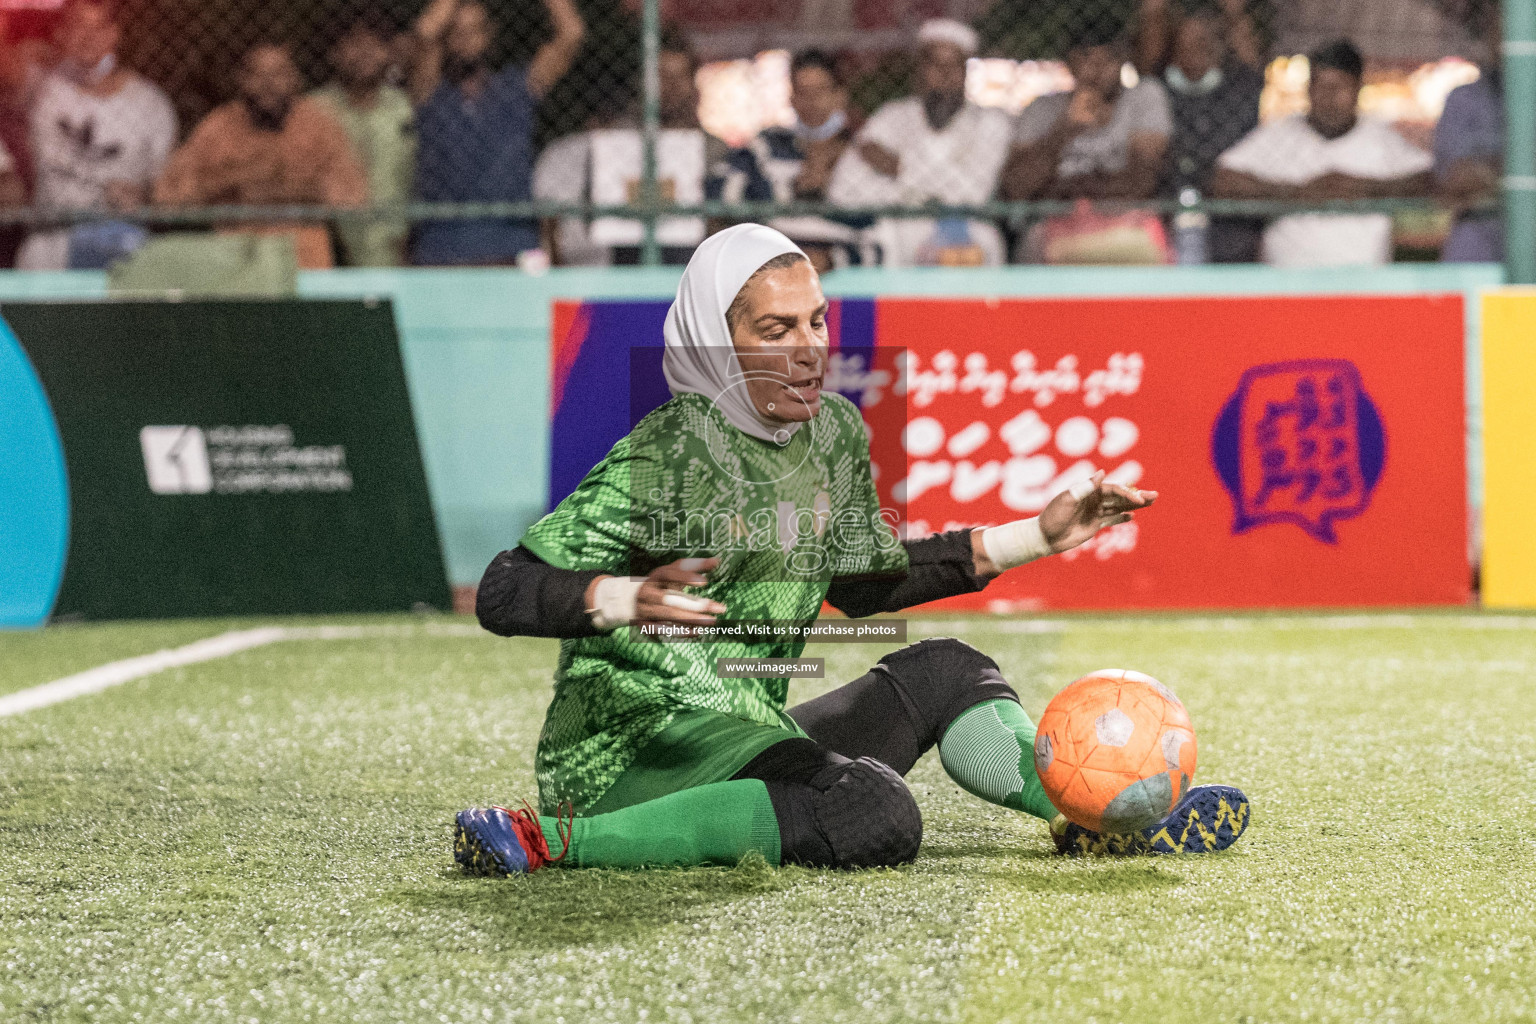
x: 1520, y: 140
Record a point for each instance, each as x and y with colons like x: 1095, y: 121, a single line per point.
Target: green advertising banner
x: 231, y: 458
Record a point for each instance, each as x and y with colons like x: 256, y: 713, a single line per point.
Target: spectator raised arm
x: 475, y: 128
x: 1154, y: 36
x: 1158, y: 28
x: 427, y: 57
x: 553, y: 59
x: 448, y: 30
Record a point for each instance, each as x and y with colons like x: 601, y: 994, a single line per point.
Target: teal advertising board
x: 209, y: 458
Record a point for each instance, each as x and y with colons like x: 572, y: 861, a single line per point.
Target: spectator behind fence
x: 603, y: 166
x: 269, y: 146
x: 1469, y: 157
x: 16, y: 182
x: 101, y: 134
x: 1098, y: 141
x: 795, y: 163
x: 1209, y: 61
x: 13, y: 191
x: 1330, y: 153
x: 380, y: 124
x: 684, y: 154
x: 563, y: 174
x: 475, y: 128
x: 931, y: 147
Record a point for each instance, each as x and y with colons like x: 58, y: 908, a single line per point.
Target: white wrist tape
x: 613, y: 601
x: 1082, y: 489
x: 1014, y: 544
x: 687, y: 602
x: 1021, y: 542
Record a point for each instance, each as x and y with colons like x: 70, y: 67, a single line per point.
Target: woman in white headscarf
x: 700, y: 356
x: 719, y: 525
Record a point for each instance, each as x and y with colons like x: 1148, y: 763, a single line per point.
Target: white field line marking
x: 115, y: 673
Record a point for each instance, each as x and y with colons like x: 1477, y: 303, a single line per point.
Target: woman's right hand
x: 661, y: 597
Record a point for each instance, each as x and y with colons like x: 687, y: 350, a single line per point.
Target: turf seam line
x: 116, y: 673
x: 1216, y: 624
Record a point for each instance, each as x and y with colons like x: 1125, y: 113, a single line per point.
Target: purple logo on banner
x: 1299, y: 442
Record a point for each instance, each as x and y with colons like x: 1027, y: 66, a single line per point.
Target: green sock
x: 990, y: 751
x: 713, y: 824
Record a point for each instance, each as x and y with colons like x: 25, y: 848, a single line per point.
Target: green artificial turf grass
x: 265, y: 838
x: 28, y: 658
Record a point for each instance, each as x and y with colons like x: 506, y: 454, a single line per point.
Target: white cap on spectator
x: 948, y: 30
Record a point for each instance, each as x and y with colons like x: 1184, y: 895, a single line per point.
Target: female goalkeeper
x: 747, y: 498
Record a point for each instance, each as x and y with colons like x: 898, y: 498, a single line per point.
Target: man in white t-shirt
x: 100, y: 132
x: 932, y: 147
x: 1331, y: 152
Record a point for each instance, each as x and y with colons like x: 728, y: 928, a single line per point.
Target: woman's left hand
x: 1075, y: 516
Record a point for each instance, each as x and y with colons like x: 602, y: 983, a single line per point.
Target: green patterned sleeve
x: 889, y: 554
x: 878, y: 552
x: 600, y: 525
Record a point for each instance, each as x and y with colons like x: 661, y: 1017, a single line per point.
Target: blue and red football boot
x: 1209, y: 818
x: 499, y: 841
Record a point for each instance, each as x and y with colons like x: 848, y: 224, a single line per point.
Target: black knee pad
x: 866, y: 815
x: 940, y: 678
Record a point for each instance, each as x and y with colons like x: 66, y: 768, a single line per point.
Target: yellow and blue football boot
x: 1208, y: 819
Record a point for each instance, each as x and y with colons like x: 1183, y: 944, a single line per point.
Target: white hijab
x: 699, y: 357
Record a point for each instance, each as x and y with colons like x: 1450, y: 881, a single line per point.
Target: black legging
x: 838, y: 795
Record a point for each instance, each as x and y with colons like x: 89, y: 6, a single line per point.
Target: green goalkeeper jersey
x: 785, y: 520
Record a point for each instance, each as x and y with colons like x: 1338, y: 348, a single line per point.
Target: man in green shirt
x: 747, y: 500
x: 380, y: 125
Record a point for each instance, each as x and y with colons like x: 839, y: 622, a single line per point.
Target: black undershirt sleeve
x: 523, y: 595
x: 942, y: 565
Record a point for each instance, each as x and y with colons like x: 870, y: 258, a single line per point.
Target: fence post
x: 650, y: 193
x: 1519, y: 60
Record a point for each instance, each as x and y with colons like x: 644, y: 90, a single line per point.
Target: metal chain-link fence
x: 890, y: 132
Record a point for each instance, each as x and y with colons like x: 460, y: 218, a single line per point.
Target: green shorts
x: 697, y: 748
